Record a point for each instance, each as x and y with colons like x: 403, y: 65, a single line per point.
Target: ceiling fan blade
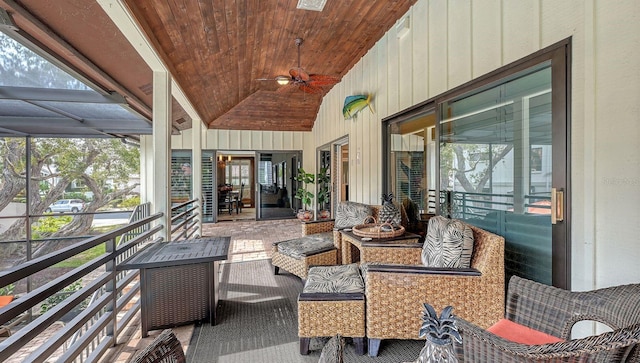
x: 299, y: 74
x: 322, y: 80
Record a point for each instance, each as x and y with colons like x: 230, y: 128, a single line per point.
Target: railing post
x: 111, y: 287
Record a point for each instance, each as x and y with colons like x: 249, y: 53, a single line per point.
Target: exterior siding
x: 452, y: 42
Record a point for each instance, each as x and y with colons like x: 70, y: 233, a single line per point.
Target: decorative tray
x: 377, y: 230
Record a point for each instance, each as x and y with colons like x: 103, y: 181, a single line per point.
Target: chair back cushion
x: 349, y: 214
x: 449, y: 243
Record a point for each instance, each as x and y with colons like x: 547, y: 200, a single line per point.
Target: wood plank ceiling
x: 217, y: 50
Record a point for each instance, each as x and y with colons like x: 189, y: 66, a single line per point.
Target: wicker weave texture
x: 328, y: 318
x: 397, y: 255
x: 165, y: 348
x: 300, y: 267
x: 394, y: 299
x: 177, y: 294
x: 555, y: 311
x: 317, y: 227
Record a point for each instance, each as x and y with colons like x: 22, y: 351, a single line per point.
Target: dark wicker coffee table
x: 178, y: 281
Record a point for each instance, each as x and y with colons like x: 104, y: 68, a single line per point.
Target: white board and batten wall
x: 452, y: 42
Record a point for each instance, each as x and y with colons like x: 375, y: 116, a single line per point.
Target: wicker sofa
x: 395, y: 293
x: 554, y: 311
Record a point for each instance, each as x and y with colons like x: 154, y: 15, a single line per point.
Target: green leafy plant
x: 59, y: 297
x: 323, y: 179
x: 302, y: 193
x: 130, y: 202
x: 46, y: 226
x: 7, y: 290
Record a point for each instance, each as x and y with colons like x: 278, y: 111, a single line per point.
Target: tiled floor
x: 250, y: 240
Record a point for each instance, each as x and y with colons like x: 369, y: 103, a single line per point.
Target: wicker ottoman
x: 332, y: 303
x: 298, y: 254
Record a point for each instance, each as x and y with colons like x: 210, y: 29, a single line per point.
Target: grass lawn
x: 81, y: 258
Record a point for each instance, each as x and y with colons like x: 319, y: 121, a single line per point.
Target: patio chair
x: 395, y: 293
x: 165, y: 348
x: 553, y: 311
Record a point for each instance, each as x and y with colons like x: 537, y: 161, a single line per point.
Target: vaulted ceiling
x: 216, y: 50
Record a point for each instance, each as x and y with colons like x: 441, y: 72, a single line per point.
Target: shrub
x: 48, y: 225
x: 130, y: 202
x: 59, y: 297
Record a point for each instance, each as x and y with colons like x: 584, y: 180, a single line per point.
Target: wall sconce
x: 221, y: 162
x: 229, y: 158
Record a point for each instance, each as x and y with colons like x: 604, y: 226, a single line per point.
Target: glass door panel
x: 496, y: 170
x: 275, y: 186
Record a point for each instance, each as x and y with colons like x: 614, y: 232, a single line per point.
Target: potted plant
x: 6, y: 294
x: 305, y: 196
x: 324, y: 193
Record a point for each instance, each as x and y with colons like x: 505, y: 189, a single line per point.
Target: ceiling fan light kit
x: 283, y: 80
x: 315, y: 5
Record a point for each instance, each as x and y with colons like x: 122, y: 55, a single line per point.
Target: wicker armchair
x: 165, y: 348
x: 554, y: 311
x: 395, y: 293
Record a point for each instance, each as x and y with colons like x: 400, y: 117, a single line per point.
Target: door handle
x: 557, y: 206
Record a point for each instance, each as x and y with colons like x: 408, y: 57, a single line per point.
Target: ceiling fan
x: 301, y: 79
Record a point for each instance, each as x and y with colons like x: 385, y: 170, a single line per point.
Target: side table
x: 178, y: 281
x: 405, y: 249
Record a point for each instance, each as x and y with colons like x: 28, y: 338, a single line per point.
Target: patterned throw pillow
x: 449, y: 243
x: 349, y: 214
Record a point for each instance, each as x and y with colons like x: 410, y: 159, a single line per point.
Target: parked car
x: 66, y: 205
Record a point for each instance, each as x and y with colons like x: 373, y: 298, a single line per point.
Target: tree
x: 471, y: 165
x: 103, y: 165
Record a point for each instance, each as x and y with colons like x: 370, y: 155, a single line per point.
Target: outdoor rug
x: 257, y: 322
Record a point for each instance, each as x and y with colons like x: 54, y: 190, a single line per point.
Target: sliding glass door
x: 503, y: 166
x: 275, y: 186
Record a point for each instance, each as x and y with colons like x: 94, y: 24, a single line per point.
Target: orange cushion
x: 517, y: 333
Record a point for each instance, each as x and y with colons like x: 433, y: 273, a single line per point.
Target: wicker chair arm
x: 480, y: 346
x: 416, y: 269
x: 313, y: 227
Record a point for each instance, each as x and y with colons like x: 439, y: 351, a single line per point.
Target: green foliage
x: 7, y: 290
x: 59, y: 297
x: 48, y: 225
x: 324, y: 182
x: 302, y: 193
x: 76, y: 195
x: 130, y: 202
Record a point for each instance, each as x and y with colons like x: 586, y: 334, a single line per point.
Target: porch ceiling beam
x: 58, y: 95
x: 100, y: 125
